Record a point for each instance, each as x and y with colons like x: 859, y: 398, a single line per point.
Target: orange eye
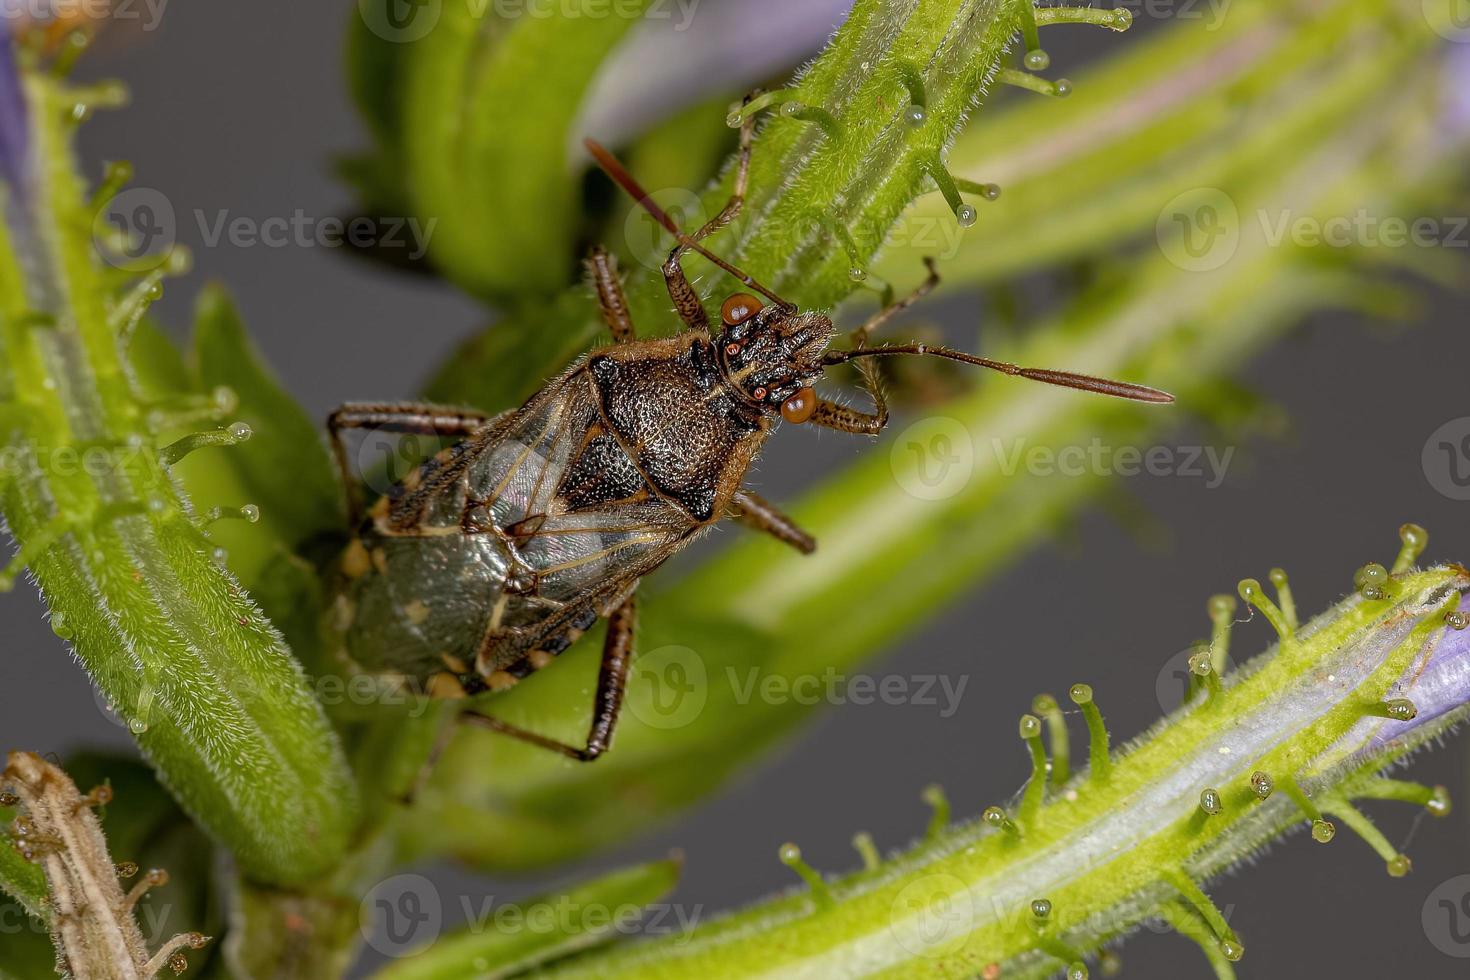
x: 738, y: 308
x: 800, y: 406
x: 759, y: 394
x: 732, y: 349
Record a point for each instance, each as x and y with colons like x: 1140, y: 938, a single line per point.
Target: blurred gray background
x: 242, y: 106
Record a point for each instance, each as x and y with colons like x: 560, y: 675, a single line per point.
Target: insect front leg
x: 406, y: 418
x: 754, y: 511
x: 612, y: 679
x: 610, y: 297
x: 845, y: 419
x: 686, y: 300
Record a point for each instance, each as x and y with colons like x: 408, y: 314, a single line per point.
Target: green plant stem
x: 205, y: 682
x: 1104, y: 854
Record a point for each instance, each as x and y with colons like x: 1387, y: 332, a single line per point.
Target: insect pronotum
x: 493, y: 556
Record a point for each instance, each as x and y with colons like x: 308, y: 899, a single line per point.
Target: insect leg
x: 845, y: 419
x: 409, y: 418
x: 751, y: 509
x: 610, y: 297
x: 617, y: 655
x: 686, y: 300
x: 878, y: 320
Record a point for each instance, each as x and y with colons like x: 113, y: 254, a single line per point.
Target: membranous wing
x: 498, y: 552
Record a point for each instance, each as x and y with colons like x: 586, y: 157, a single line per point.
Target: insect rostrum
x: 496, y: 554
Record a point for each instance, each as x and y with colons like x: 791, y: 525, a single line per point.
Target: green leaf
x: 23, y: 881
x: 284, y: 468
x: 483, y: 154
x: 583, y: 915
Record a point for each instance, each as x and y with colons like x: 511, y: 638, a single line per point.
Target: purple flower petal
x: 13, y: 132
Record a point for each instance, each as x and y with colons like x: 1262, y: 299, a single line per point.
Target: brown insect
x: 497, y: 553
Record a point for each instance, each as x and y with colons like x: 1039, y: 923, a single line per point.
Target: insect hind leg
x: 612, y: 679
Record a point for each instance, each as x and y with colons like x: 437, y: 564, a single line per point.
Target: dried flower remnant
x: 96, y: 934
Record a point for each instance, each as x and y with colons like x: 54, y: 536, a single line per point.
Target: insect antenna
x: 611, y: 166
x: 1065, y: 379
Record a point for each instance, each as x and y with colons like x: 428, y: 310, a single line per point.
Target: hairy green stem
x: 1104, y: 854
x: 204, y: 681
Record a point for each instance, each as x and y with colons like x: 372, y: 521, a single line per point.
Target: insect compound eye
x: 738, y: 308
x: 800, y: 406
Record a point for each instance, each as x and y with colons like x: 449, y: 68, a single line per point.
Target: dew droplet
x: 1030, y: 726
x: 60, y: 626
x: 1037, y: 60
x: 1262, y: 784
x: 125, y: 869
x: 240, y: 431
x: 994, y: 816
x: 219, y: 555
x: 1199, y: 663
x: 1080, y: 694
x: 137, y: 726
x: 1323, y: 831
x: 792, y: 108
x: 916, y: 116
x: 966, y: 214
x: 1439, y: 802
x: 1250, y: 589
x: 250, y: 513
x: 1400, y: 866
x: 1041, y: 908
x: 734, y: 120
x: 1232, y: 950
x: 1122, y: 18
x: 1062, y: 87
x: 1077, y: 971
x: 990, y: 191
x: 1457, y: 620
x: 857, y: 273
x: 1209, y: 801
